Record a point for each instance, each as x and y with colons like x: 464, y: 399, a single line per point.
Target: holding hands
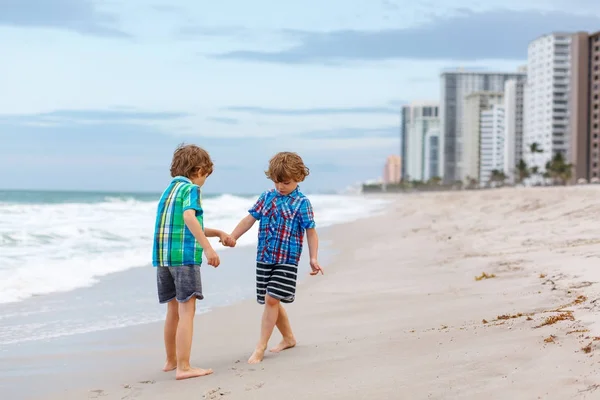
x: 227, y: 240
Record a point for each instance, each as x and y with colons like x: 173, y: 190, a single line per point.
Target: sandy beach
x: 456, y: 295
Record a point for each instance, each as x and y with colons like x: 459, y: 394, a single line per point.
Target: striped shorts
x: 278, y: 280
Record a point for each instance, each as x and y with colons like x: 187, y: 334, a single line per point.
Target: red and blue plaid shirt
x: 283, y: 221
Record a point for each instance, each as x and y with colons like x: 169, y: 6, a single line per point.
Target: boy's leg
x: 283, y: 324
x: 269, y: 319
x: 170, y: 332
x: 166, y: 294
x: 185, y: 334
x: 189, y: 288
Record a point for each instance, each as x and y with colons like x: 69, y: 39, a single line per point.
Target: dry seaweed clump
x: 578, y: 331
x: 513, y: 316
x: 580, y: 299
x: 565, y: 316
x: 550, y: 339
x: 484, y: 276
x: 587, y: 349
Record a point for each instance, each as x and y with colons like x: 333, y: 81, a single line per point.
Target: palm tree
x: 522, y: 171
x: 559, y: 170
x: 498, y: 177
x: 535, y: 148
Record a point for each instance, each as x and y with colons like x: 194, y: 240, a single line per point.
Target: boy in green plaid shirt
x: 180, y: 239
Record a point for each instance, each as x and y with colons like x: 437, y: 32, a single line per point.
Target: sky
x: 95, y: 95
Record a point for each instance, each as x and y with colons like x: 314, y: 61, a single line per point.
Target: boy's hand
x: 228, y: 240
x: 316, y: 268
x: 212, y: 257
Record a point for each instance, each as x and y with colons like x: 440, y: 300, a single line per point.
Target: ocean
x: 77, y: 262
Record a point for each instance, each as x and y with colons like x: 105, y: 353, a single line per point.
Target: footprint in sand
x: 216, y: 393
x: 255, y: 386
x: 94, y: 394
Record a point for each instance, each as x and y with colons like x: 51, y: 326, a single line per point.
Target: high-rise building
x: 455, y: 86
x: 584, y: 119
x: 392, y: 170
x: 403, y: 132
x: 492, y: 142
x: 432, y: 154
x: 547, y: 98
x: 419, y: 118
x: 470, y: 148
x: 513, y: 126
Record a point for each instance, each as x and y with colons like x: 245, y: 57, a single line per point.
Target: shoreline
x: 52, y: 359
x: 400, y: 312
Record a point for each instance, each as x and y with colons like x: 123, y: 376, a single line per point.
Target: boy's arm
x: 210, y: 232
x: 224, y: 238
x: 244, y: 226
x: 254, y: 214
x: 307, y: 221
x: 189, y: 217
x: 313, y: 251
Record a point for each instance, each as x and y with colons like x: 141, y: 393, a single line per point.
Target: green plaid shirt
x: 174, y: 244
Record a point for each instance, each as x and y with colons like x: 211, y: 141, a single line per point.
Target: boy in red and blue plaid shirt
x: 285, y: 214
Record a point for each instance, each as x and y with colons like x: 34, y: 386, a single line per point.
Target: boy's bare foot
x: 170, y: 366
x: 192, y: 373
x: 257, y: 356
x: 285, y: 344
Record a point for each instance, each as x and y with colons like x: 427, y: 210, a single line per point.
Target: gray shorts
x: 181, y: 283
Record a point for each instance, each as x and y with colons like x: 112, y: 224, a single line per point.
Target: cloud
x: 62, y: 117
x: 464, y: 35
x: 225, y: 120
x: 211, y: 31
x: 81, y: 16
x: 117, y: 155
x: 352, y: 133
x: 167, y: 8
x: 312, y: 111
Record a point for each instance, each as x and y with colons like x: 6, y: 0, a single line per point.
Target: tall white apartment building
x: 513, y: 126
x: 419, y: 120
x: 432, y: 154
x: 547, y: 98
x: 455, y: 86
x: 492, y: 142
x: 470, y: 146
